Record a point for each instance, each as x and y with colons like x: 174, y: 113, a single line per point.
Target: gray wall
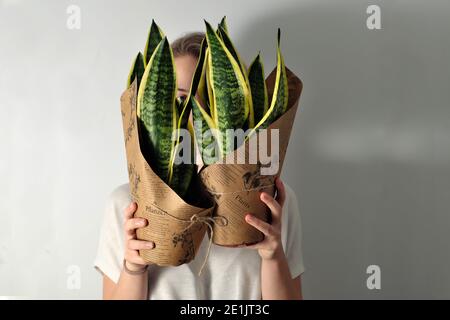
x: 369, y: 157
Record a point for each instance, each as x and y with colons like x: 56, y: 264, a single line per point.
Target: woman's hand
x: 271, y: 247
x: 276, y: 281
x: 132, y: 259
x: 131, y: 285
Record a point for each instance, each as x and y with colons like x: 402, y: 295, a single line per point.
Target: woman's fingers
x: 134, y: 223
x: 140, y: 245
x: 273, y: 205
x: 132, y: 245
x: 281, y: 191
x: 131, y: 225
x: 130, y: 210
x: 134, y: 257
x: 267, y: 229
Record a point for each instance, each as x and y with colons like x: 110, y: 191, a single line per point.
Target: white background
x: 369, y: 157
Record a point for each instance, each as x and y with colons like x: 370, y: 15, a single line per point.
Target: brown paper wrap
x: 176, y: 237
x: 236, y: 187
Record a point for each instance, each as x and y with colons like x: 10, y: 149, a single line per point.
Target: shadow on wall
x: 368, y: 157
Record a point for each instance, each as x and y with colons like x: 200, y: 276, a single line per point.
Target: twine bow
x: 209, y: 221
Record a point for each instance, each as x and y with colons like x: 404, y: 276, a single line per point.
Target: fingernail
x: 149, y: 245
x: 140, y: 223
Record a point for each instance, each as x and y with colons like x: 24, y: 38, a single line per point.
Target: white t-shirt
x: 229, y: 273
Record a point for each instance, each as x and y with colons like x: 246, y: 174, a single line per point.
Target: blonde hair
x: 189, y: 44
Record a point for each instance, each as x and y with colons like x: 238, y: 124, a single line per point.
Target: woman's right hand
x: 132, y: 246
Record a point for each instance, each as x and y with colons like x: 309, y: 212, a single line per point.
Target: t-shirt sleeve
x: 110, y: 250
x: 292, y: 234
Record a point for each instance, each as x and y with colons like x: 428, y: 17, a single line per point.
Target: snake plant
x: 231, y: 96
x: 280, y: 95
x: 137, y: 70
x: 160, y: 115
x: 224, y: 96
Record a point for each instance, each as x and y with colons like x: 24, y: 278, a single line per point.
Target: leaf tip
x: 208, y: 25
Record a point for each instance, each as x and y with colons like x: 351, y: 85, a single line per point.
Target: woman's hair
x: 189, y: 44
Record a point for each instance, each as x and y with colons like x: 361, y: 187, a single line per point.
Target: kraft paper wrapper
x: 228, y: 182
x: 166, y: 212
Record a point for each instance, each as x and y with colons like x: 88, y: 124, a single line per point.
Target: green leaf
x: 204, y: 133
x: 202, y: 88
x: 210, y: 101
x: 182, y: 177
x: 184, y: 107
x: 181, y: 174
x: 229, y: 90
x: 181, y: 121
x: 198, y: 73
x: 155, y: 35
x: 196, y: 80
x: 258, y: 88
x: 183, y: 112
x: 280, y: 95
x: 229, y: 45
x: 223, y: 24
x: 156, y: 109
x: 137, y: 70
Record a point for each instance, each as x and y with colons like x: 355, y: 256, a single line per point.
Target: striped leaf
x: 223, y: 34
x: 184, y: 107
x: 156, y: 109
x: 155, y: 35
x: 182, y: 177
x: 137, y: 70
x: 223, y: 24
x: 258, y: 88
x: 202, y: 88
x: 181, y: 174
x: 280, y: 95
x: 181, y: 120
x: 203, y: 132
x: 229, y: 90
x: 183, y: 110
x: 198, y: 73
x: 229, y: 45
x: 211, y: 103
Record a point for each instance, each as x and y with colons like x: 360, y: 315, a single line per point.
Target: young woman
x: 270, y: 269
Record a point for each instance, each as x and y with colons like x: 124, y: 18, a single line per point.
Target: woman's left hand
x: 271, y: 247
